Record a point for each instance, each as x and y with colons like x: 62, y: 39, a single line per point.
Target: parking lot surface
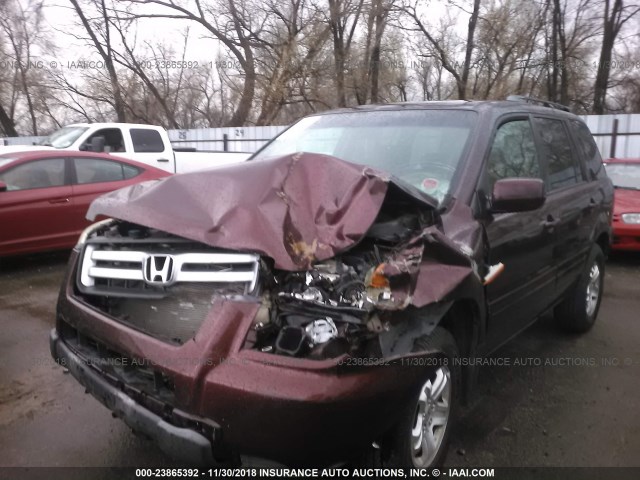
x: 548, y: 399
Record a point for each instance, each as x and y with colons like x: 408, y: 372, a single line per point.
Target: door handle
x: 59, y: 200
x: 163, y: 160
x: 550, y: 223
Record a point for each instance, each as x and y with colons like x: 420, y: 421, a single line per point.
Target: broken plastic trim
x: 91, y: 229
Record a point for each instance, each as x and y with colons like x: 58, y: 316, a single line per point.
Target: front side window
x: 563, y: 168
x: 513, y: 153
x: 113, y: 140
x: 421, y: 147
x: 91, y: 170
x: 36, y: 174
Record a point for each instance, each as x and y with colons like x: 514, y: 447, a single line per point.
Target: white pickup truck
x: 145, y: 143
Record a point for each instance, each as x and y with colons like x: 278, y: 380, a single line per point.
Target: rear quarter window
x: 146, y: 140
x: 130, y: 171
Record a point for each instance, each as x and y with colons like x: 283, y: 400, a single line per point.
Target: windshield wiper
x: 626, y: 188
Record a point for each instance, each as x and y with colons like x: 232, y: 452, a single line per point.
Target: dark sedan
x: 44, y: 195
x: 625, y: 174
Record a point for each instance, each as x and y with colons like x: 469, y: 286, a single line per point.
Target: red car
x: 625, y: 174
x: 44, y: 195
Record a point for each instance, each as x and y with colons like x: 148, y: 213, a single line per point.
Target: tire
x: 409, y: 445
x: 578, y: 311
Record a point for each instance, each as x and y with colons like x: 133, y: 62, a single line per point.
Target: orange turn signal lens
x: 378, y: 279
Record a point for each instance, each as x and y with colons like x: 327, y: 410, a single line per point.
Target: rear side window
x: 563, y: 167
x: 587, y: 147
x: 91, y: 170
x: 36, y: 174
x: 146, y: 140
x: 513, y: 152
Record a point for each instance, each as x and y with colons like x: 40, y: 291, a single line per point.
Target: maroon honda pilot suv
x: 320, y: 302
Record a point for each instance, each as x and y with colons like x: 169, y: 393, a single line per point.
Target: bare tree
x: 7, y: 124
x: 236, y: 24
x: 573, y: 27
x: 438, y: 46
x: 22, y: 28
x: 99, y: 32
x: 378, y: 16
x: 506, y: 52
x: 291, y: 39
x: 344, y: 16
x: 616, y: 14
x: 158, y: 61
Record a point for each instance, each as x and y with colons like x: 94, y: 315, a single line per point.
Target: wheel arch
x: 604, y: 242
x: 464, y: 322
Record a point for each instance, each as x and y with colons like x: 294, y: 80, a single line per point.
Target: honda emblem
x: 158, y: 269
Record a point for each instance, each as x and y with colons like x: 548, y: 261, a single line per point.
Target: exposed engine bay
x: 341, y: 304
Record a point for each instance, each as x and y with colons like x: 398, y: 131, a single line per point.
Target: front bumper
x: 294, y: 411
x: 626, y: 237
x: 180, y: 443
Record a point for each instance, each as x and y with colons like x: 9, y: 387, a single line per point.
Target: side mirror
x: 517, y: 195
x: 97, y: 144
x: 3, y: 187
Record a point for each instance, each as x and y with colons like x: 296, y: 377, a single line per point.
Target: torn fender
x: 398, y: 340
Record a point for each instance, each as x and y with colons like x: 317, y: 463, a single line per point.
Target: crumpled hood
x: 296, y: 209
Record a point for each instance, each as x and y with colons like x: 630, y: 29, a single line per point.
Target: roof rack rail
x: 538, y: 101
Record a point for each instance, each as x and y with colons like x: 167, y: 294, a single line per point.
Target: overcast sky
x: 61, y: 20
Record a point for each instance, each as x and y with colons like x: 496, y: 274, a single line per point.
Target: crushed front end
x: 213, y: 350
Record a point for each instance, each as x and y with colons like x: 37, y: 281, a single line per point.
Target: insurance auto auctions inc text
x: 348, y: 472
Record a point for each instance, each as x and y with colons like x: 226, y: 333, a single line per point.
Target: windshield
x: 624, y: 175
x: 64, y: 137
x: 421, y: 147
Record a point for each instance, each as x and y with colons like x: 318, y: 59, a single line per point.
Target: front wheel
x: 578, y: 311
x: 421, y: 438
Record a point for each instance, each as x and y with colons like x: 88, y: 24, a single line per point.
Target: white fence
x: 21, y: 140
x: 616, y: 136
x: 240, y: 139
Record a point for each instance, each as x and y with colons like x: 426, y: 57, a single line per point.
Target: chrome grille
x: 99, y: 263
x: 169, y: 298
